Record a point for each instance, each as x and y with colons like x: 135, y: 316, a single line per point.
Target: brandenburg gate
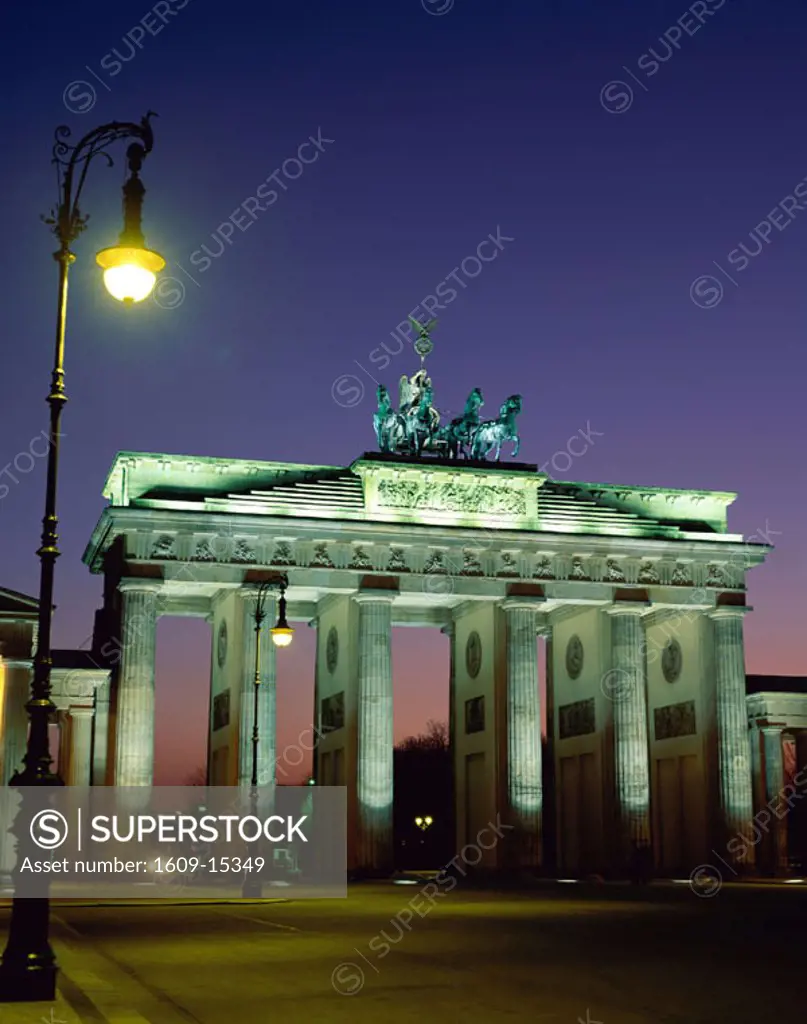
x: 639, y: 592
x: 641, y: 749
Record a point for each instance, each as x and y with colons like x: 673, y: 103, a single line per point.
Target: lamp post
x: 282, y: 635
x: 28, y: 969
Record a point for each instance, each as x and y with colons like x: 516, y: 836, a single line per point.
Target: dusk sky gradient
x: 446, y: 128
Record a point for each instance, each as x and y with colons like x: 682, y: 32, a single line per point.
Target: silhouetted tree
x: 424, y: 787
x: 434, y: 738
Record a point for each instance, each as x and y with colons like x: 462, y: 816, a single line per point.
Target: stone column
x: 14, y: 692
x: 80, y: 760
x: 549, y: 812
x: 451, y: 633
x: 736, y: 794
x: 267, y: 692
x: 100, y: 732
x: 625, y: 686
x: 774, y: 784
x: 374, y: 780
x: 63, y: 750
x: 134, y: 754
x: 524, y: 775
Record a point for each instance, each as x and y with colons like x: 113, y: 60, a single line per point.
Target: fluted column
x: 374, y: 777
x: 267, y: 692
x: 63, y: 743
x: 80, y: 760
x: 134, y: 753
x: 736, y: 794
x: 774, y: 784
x: 524, y: 774
x: 100, y: 731
x: 450, y: 631
x: 625, y: 686
x: 14, y: 692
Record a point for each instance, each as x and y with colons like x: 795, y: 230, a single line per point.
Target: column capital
x: 628, y: 608
x: 138, y: 584
x: 77, y: 711
x: 529, y: 603
x: 375, y: 596
x: 771, y: 730
x: 249, y: 592
x: 729, y: 611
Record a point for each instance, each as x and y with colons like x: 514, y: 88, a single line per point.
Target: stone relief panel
x: 332, y: 650
x: 682, y: 575
x: 474, y: 715
x: 675, y: 720
x: 508, y: 564
x: 221, y: 710
x: 577, y: 719
x: 578, y: 570
x: 471, y: 565
x: 203, y: 552
x: 544, y: 569
x: 397, y: 560
x: 715, y: 576
x: 613, y: 571
x: 574, y: 657
x: 482, y: 499
x: 164, y: 547
x: 321, y: 559
x: 648, y: 573
x: 282, y: 554
x: 436, y: 563
x: 332, y: 711
x: 360, y: 559
x: 473, y: 654
x: 243, y: 551
x: 671, y: 660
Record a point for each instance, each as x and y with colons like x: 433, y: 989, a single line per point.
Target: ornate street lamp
x: 28, y: 969
x: 282, y: 635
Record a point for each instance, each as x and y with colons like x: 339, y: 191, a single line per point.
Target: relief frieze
x: 484, y: 499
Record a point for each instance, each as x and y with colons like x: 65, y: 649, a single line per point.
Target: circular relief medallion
x: 221, y: 648
x: 332, y: 649
x: 574, y: 656
x: 671, y: 658
x: 473, y: 655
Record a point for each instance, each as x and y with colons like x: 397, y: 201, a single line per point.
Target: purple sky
x: 445, y: 128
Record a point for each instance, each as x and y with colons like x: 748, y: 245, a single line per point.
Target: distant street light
x: 28, y: 969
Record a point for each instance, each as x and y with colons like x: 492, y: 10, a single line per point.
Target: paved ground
x: 569, y: 954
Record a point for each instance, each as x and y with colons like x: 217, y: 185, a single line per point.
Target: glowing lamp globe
x: 282, y: 635
x: 130, y: 273
x: 282, y: 632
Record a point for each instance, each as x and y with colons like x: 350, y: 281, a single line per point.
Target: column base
x: 24, y: 983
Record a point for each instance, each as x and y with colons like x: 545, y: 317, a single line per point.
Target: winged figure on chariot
x: 414, y: 427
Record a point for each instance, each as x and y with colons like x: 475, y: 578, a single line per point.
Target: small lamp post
x: 282, y: 635
x: 28, y: 969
